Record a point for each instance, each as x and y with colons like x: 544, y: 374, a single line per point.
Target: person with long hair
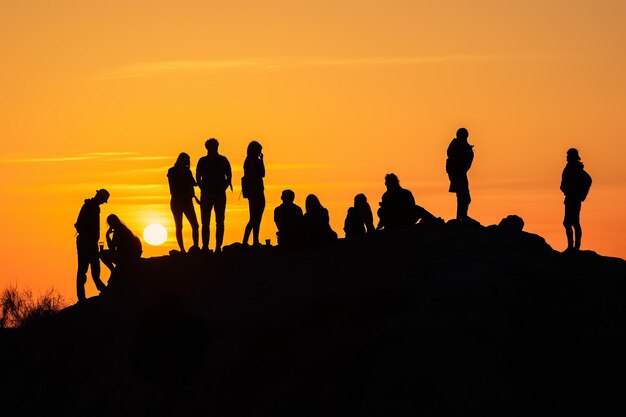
x: 252, y: 188
x: 316, y: 223
x: 182, y: 183
x: 124, y: 247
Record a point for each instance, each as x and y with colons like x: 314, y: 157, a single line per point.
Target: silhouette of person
x: 123, y: 246
x: 214, y: 176
x: 182, y: 183
x: 575, y: 190
x: 88, y: 233
x: 359, y: 219
x: 288, y: 218
x: 460, y: 157
x: 316, y: 223
x: 397, y: 206
x: 252, y: 189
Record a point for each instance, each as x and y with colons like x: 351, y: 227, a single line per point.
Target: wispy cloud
x: 36, y: 160
x: 113, y: 156
x: 149, y: 69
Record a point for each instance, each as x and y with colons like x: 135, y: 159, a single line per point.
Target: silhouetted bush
x: 20, y: 308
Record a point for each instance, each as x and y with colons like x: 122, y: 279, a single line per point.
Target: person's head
x: 572, y: 154
x: 392, y: 181
x: 102, y: 196
x: 288, y: 196
x: 254, y: 149
x: 312, y: 203
x: 183, y: 160
x: 360, y: 200
x: 113, y: 221
x: 211, y: 145
x: 462, y: 133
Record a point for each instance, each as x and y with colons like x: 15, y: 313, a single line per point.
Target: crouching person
x: 124, y: 248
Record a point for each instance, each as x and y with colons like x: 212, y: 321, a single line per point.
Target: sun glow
x: 155, y: 234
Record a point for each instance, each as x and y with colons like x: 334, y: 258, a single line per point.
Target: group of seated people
x: 296, y: 229
x: 312, y: 228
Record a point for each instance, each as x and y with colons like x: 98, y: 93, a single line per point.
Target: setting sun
x: 155, y: 234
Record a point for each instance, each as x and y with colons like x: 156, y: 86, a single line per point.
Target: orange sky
x: 107, y: 93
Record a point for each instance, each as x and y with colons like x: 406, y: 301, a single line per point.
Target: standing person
x: 182, y: 183
x: 575, y: 183
x: 397, y: 206
x: 460, y: 157
x: 123, y: 246
x: 214, y: 176
x: 88, y: 228
x: 252, y: 189
x: 288, y: 218
x: 359, y: 219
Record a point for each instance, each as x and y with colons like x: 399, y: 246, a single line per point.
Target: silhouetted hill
x: 442, y: 319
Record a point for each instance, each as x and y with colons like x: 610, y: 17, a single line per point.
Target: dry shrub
x: 20, y: 308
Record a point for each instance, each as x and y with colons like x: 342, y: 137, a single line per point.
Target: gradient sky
x: 108, y: 93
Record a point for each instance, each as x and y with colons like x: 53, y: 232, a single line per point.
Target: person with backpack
x: 182, y: 183
x: 124, y: 247
x: 575, y: 184
x: 88, y: 233
x: 253, y: 190
x: 214, y: 176
x: 460, y: 157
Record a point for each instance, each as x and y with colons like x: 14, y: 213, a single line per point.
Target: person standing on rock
x: 181, y: 183
x: 252, y: 189
x: 88, y: 233
x: 575, y: 184
x: 460, y: 157
x: 214, y: 176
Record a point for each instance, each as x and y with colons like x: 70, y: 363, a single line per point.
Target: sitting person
x: 359, y: 219
x: 316, y: 230
x: 288, y: 219
x: 123, y: 246
x: 397, y: 208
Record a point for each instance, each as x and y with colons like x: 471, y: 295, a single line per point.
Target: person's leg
x: 578, y: 231
x: 220, y: 214
x: 177, y: 212
x: 248, y: 229
x: 94, y: 263
x: 81, y: 273
x: 569, y: 222
x: 190, y: 214
x: 462, y: 204
x: 106, y: 256
x: 205, y: 218
x: 259, y: 207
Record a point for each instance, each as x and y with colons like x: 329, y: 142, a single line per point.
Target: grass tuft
x: 20, y: 308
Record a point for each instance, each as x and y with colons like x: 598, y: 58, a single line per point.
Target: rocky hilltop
x: 442, y: 319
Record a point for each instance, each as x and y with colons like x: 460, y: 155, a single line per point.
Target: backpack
x: 244, y: 186
x: 584, y: 184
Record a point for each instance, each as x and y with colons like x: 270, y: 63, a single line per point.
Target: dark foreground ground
x: 434, y: 321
